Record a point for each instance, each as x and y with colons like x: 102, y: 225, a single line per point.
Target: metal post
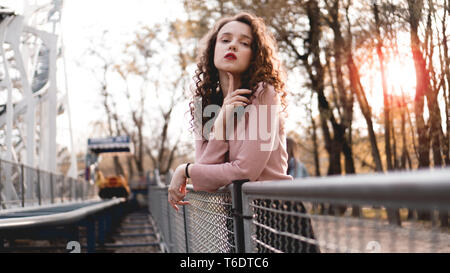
x: 101, y: 227
x: 52, y: 194
x: 1, y: 189
x: 237, y: 215
x: 169, y: 226
x: 22, y: 183
x: 90, y: 234
x: 62, y: 190
x: 83, y: 195
x: 246, y: 210
x: 185, y: 229
x: 108, y: 219
x: 39, y: 186
x: 71, y: 189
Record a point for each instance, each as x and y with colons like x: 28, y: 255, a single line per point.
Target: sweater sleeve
x: 211, y: 151
x: 254, y: 153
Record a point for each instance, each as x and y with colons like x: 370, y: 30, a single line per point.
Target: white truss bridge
x: 30, y: 101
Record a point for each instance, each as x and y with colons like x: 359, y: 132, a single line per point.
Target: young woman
x: 238, y: 67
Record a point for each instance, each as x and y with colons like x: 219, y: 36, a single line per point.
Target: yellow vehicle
x: 112, y: 186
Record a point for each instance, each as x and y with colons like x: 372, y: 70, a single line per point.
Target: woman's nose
x: 233, y: 46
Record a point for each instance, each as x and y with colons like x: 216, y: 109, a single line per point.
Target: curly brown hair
x: 264, y: 65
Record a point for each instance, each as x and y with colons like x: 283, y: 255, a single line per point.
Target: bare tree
x: 141, y: 60
x: 381, y: 58
x: 106, y: 67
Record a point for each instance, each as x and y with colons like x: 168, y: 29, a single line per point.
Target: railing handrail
x: 421, y: 192
x: 36, y: 168
x: 224, y: 189
x: 24, y: 186
x: 424, y: 188
x: 59, y: 217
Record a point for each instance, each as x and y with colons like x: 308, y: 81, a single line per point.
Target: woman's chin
x: 232, y: 69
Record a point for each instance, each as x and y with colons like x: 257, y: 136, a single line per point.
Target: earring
x: 218, y: 87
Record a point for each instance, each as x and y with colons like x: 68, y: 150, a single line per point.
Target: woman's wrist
x: 185, y: 169
x: 189, y: 168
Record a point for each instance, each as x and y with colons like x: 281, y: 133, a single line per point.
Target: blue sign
x: 109, y: 144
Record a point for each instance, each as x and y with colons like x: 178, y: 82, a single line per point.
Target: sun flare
x: 401, y: 76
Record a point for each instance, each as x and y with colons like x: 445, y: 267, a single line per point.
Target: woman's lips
x: 230, y: 56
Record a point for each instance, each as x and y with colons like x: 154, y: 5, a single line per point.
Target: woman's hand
x: 177, y: 188
x: 233, y: 99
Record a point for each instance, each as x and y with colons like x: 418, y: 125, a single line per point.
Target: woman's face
x: 233, y: 48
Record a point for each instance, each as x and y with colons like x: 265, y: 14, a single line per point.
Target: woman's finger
x: 238, y: 103
x: 230, y: 83
x: 171, y: 202
x: 174, y: 203
x: 241, y: 92
x: 240, y: 98
x: 183, y: 189
x: 174, y: 206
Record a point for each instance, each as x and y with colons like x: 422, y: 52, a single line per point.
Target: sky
x: 82, y: 24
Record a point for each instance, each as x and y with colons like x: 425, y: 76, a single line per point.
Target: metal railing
x: 23, y: 186
x: 395, y: 212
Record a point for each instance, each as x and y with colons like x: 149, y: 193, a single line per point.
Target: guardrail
x: 24, y: 186
x: 60, y: 221
x: 394, y: 212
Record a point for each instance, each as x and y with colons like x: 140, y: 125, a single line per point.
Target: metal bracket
x: 238, y: 214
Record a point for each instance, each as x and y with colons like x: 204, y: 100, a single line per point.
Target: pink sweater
x: 257, y: 158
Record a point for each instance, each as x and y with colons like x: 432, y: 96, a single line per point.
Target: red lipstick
x: 230, y: 56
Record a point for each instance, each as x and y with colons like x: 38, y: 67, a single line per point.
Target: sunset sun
x: 401, y: 76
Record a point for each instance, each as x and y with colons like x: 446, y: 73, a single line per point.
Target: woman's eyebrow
x: 231, y: 34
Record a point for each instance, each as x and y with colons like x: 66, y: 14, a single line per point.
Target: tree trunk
x: 433, y: 90
x: 415, y: 11
x: 365, y: 109
x: 315, y: 146
x: 346, y: 100
x: 316, y: 75
x: 405, y: 155
x: 446, y: 88
x: 387, y: 121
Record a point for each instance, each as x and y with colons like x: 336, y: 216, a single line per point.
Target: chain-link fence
x: 23, y: 186
x: 206, y: 225
x: 397, y: 212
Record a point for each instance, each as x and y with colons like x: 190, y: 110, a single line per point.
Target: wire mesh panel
x: 65, y: 189
x: 397, y: 212
x: 59, y: 188
x: 282, y: 226
x: 12, y: 188
x: 23, y: 186
x: 382, y: 229
x: 210, y: 222
x: 178, y: 231
x: 389, y: 213
x: 292, y: 226
x: 47, y: 189
x: 31, y: 186
x: 159, y: 210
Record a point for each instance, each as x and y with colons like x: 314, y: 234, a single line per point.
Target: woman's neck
x: 225, y: 82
